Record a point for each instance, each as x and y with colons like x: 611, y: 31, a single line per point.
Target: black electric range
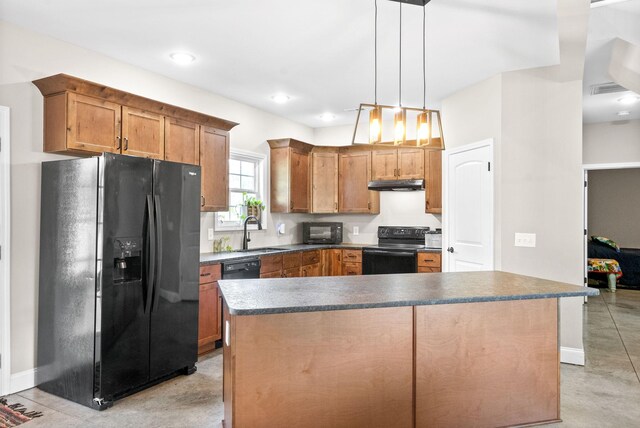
x: 396, y: 252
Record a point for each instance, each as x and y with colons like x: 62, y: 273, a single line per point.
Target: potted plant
x: 254, y: 206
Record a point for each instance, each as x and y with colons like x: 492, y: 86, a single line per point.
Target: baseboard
x: 22, y: 380
x: 572, y: 356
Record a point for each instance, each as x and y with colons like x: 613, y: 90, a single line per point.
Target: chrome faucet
x: 246, y: 237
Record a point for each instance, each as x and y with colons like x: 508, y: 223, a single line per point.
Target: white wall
x: 614, y: 205
x: 27, y: 56
x: 611, y: 142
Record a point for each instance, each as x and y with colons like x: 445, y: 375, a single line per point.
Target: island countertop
x: 289, y: 295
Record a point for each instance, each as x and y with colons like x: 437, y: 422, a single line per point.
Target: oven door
x: 377, y: 261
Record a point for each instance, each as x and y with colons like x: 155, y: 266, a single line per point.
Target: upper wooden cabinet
x: 433, y: 181
x: 142, y: 133
x: 181, y: 141
x: 290, y: 176
x: 397, y: 164
x: 214, y: 163
x: 324, y: 181
x: 354, y: 176
x: 84, y: 118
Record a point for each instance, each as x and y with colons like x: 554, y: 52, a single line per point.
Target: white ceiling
x: 320, y: 53
x: 605, y: 24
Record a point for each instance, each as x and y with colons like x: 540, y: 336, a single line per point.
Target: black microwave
x: 321, y: 233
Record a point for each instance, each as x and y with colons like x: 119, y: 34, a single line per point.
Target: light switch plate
x: 281, y: 229
x: 356, y: 230
x: 525, y: 240
x: 210, y: 234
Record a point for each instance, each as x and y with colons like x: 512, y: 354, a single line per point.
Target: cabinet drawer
x: 352, y: 256
x: 429, y: 259
x: 352, y: 268
x: 311, y: 270
x: 209, y: 273
x: 310, y: 257
x: 291, y: 273
x: 290, y: 261
x: 271, y: 263
x: 276, y: 274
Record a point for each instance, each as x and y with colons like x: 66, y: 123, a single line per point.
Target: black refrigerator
x: 119, y: 274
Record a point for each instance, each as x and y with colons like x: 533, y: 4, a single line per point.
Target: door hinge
x: 585, y: 232
x: 585, y: 183
x: 489, y: 167
x: 585, y: 280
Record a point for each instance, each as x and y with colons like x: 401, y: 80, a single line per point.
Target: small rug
x: 12, y: 415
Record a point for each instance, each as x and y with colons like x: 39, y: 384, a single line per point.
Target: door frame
x: 446, y: 221
x: 585, y: 203
x: 5, y: 261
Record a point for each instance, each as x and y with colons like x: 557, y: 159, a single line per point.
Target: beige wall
x: 27, y: 56
x: 614, y: 205
x: 611, y: 142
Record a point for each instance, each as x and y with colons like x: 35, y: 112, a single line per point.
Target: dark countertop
x: 213, y: 258
x: 286, y: 295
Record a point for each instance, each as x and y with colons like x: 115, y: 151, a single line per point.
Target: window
x: 246, y: 178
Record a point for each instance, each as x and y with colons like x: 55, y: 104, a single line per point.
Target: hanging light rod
x: 414, y: 2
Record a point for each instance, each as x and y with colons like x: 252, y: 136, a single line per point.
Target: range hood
x: 396, y: 185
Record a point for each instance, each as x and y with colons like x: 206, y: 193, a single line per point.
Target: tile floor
x: 604, y: 393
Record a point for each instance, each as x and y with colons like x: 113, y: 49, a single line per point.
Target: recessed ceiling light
x: 623, y: 113
x: 280, y: 98
x: 627, y: 100
x: 327, y: 117
x: 182, y: 58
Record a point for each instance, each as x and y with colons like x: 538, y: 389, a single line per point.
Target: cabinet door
x: 384, y: 164
x: 410, y: 164
x: 142, y: 133
x: 208, y: 317
x: 276, y: 274
x: 299, y: 181
x: 433, y: 181
x: 324, y: 182
x: 355, y: 173
x: 214, y: 163
x: 93, y: 125
x: 181, y: 141
x: 352, y: 269
x: 332, y: 262
x: 311, y: 270
x: 291, y: 273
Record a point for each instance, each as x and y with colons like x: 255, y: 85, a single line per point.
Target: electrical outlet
x: 356, y: 230
x: 281, y: 229
x: 210, y: 234
x: 525, y: 240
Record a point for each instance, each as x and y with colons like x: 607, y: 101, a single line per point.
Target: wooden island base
x: 451, y: 365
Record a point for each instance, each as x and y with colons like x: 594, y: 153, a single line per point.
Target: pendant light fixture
x: 428, y: 123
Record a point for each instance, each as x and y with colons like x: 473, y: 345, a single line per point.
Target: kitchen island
x: 438, y: 349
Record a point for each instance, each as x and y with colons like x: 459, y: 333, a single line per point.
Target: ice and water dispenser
x: 127, y: 261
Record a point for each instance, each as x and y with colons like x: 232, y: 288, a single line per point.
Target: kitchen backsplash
x: 396, y: 209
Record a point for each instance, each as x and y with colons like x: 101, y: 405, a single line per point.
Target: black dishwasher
x: 241, y: 270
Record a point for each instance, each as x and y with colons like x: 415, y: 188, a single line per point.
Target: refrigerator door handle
x: 156, y: 290
x: 151, y: 260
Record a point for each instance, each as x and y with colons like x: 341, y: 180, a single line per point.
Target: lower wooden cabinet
x: 351, y: 262
x: 311, y: 270
x: 210, y: 309
x: 332, y: 262
x: 271, y: 266
x: 429, y: 262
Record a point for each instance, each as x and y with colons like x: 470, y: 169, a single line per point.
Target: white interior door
x: 468, y: 229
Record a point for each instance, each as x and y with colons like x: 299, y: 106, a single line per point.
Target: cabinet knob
x: 126, y: 144
x: 201, y: 201
x: 119, y: 140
